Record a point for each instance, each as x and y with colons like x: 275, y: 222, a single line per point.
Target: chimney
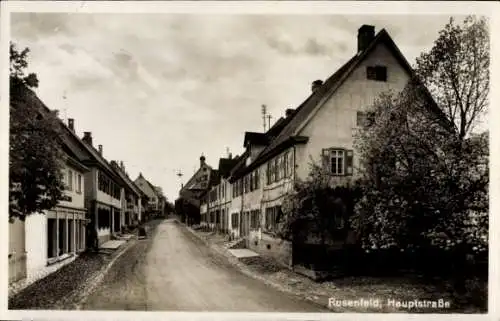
x: 71, y: 124
x: 202, y: 161
x: 316, y: 84
x: 289, y: 112
x: 365, y: 36
x: 87, y: 138
x: 230, y: 156
x: 100, y: 149
x: 122, y: 166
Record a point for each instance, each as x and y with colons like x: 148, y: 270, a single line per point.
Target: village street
x: 173, y: 270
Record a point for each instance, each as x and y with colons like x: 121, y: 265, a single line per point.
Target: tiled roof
x: 255, y: 139
x: 214, y: 178
x: 125, y: 178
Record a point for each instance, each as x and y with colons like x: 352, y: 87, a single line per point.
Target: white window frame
x: 336, y: 154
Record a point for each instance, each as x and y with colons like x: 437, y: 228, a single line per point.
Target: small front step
x: 236, y: 244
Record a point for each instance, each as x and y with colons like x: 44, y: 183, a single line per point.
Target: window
x: 70, y: 180
x: 277, y: 165
x: 282, y: 166
x: 268, y: 173
x: 272, y: 175
x: 285, y: 165
x: 378, y: 73
x: 273, y: 216
x: 338, y: 161
x: 290, y: 164
x: 365, y: 118
x: 257, y: 179
x: 278, y: 168
x: 234, y: 220
x: 255, y: 219
x: 79, y: 184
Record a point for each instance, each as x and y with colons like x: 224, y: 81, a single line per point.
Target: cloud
x: 172, y: 86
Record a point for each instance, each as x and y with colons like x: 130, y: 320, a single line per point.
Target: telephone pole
x: 264, y: 112
x: 179, y: 174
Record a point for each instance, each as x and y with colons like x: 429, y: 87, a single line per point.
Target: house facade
x: 130, y: 197
x: 197, y: 188
x: 103, y: 195
x: 59, y: 234
x: 321, y: 129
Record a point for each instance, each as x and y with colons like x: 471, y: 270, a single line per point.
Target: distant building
x: 155, y: 200
x: 197, y: 187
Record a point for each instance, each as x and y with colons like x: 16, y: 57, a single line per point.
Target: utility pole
x: 65, y: 107
x: 179, y: 174
x: 264, y: 112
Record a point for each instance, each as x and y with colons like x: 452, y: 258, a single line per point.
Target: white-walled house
x: 46, y: 241
x: 321, y: 129
x: 63, y: 225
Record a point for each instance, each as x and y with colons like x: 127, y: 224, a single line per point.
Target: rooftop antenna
x: 269, y: 120
x: 264, y: 112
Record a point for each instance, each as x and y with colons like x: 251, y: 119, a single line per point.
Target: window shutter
x: 349, y: 162
x: 325, y: 158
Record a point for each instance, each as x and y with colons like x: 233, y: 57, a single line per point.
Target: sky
x: 159, y: 90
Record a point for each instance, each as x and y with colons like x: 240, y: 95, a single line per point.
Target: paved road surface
x: 175, y: 271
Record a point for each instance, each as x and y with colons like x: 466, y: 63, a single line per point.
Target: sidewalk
x: 399, y: 289
x: 69, y: 284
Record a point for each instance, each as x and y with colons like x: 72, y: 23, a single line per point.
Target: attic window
x: 378, y: 73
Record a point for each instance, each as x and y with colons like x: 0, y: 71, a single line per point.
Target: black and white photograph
x: 247, y: 161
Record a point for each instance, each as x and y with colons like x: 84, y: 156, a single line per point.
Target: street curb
x: 244, y: 269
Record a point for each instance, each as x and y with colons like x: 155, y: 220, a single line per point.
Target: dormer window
x: 377, y: 73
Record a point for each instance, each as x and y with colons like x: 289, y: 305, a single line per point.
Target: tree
x: 316, y: 207
x: 456, y: 72
x: 425, y: 184
x: 35, y: 177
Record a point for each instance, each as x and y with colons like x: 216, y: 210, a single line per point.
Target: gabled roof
x: 254, y: 138
x: 240, y: 164
x: 68, y: 138
x: 225, y: 166
x: 214, y: 179
x: 191, y: 184
x: 149, y: 183
x: 286, y: 130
